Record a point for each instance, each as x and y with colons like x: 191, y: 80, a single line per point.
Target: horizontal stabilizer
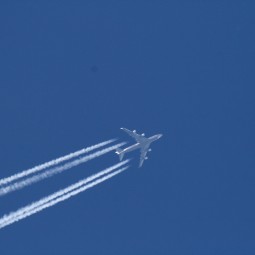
x: 120, y: 153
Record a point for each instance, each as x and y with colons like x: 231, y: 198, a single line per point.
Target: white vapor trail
x: 61, y: 195
x: 62, y: 192
x: 23, y: 183
x: 53, y: 162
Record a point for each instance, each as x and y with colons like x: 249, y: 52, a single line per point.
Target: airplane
x: 143, y: 144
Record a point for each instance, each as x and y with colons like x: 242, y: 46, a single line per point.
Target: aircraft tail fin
x: 120, y: 153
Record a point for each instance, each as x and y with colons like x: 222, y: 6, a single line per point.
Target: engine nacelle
x: 134, y: 131
x: 150, y: 150
x: 146, y: 158
x: 143, y: 134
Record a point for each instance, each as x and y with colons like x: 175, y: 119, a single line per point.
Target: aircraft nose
x: 160, y: 135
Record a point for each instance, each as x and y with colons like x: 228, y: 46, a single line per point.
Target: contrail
x: 56, y: 170
x: 53, y: 162
x: 36, y: 207
x: 64, y: 191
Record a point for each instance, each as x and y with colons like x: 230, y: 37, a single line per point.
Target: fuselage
x: 143, y: 144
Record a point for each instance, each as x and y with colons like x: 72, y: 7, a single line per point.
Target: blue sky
x: 74, y: 72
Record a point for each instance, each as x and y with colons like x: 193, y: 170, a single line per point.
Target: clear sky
x: 73, y: 72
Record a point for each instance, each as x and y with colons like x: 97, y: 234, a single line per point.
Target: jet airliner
x: 143, y: 144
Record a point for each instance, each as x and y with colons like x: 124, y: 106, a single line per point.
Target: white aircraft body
x: 143, y: 144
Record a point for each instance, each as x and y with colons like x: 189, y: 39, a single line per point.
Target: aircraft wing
x: 138, y: 138
x: 143, y: 154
